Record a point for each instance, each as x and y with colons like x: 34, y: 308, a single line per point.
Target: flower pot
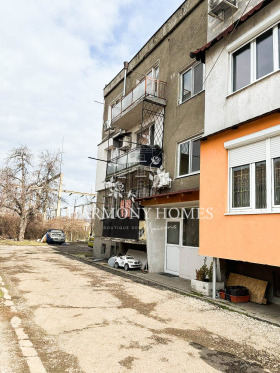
x: 205, y: 288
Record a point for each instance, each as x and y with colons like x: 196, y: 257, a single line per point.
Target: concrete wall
x: 223, y: 109
x: 155, y: 242
x: 190, y: 260
x: 251, y: 238
x: 101, y: 166
x: 171, y: 50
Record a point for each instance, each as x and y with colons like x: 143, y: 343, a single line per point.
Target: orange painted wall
x: 251, y: 238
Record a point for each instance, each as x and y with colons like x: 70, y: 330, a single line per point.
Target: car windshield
x: 55, y: 231
x: 129, y: 257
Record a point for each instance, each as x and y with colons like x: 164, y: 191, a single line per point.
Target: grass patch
x: 21, y: 243
x: 1, y: 294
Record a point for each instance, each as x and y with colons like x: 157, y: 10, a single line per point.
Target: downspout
x: 125, y: 64
x: 214, y: 277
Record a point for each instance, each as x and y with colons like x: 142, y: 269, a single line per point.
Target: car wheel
x: 116, y: 265
x: 126, y: 267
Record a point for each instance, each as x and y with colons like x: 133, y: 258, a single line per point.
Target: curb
x: 159, y: 285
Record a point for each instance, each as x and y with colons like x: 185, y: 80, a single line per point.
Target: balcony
x: 127, y: 112
x: 140, y: 156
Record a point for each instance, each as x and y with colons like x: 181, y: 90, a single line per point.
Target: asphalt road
x: 60, y: 315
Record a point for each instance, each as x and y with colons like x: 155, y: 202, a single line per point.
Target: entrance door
x: 172, y: 252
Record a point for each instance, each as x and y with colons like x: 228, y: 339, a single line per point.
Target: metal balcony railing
x: 147, y: 87
x: 142, y: 155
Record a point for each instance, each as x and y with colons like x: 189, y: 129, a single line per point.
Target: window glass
x: 186, y: 85
x: 276, y: 181
x: 191, y: 228
x: 264, y: 54
x: 261, y: 185
x: 195, y: 155
x: 241, y: 67
x: 198, y: 78
x: 241, y: 186
x: 279, y: 43
x: 152, y: 135
x: 184, y: 158
x: 173, y: 230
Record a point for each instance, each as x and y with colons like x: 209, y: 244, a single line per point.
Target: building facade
x: 153, y: 122
x: 240, y: 149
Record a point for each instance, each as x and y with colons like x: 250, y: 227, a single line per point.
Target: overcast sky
x: 55, y: 59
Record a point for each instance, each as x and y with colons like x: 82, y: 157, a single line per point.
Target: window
x: 276, y: 166
x: 264, y: 54
x: 189, y: 157
x: 260, y: 180
x: 254, y: 172
x: 191, y: 82
x: 256, y: 59
x: 191, y: 228
x: 173, y: 231
x: 241, y: 67
x: 152, y: 135
x: 147, y: 136
x: 241, y: 186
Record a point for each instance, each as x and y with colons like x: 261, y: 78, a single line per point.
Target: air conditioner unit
x: 126, y: 143
x: 217, y: 8
x: 107, y: 125
x: 164, y: 180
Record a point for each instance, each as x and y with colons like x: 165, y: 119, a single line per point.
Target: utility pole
x: 59, y: 195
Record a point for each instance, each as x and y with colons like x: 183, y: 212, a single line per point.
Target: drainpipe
x: 125, y: 64
x: 214, y: 277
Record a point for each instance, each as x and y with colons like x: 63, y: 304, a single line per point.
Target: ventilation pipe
x: 125, y: 64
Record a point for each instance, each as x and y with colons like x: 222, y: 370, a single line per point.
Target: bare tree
x: 25, y: 188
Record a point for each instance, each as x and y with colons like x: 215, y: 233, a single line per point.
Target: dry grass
x: 21, y: 243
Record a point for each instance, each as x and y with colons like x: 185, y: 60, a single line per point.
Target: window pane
x: 186, y: 85
x: 276, y: 181
x: 196, y: 155
x: 261, y: 185
x: 152, y: 135
x: 184, y: 158
x: 279, y: 43
x: 264, y: 54
x: 191, y: 228
x: 241, y: 67
x: 241, y: 186
x: 173, y: 230
x: 198, y: 78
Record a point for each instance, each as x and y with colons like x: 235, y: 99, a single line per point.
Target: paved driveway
x: 61, y: 315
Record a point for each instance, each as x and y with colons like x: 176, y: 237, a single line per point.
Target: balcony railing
x: 147, y: 87
x: 142, y: 155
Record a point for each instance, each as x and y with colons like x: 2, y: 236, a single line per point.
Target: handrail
x: 147, y: 87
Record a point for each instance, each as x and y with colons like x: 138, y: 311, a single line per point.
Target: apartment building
x: 240, y: 148
x: 149, y: 157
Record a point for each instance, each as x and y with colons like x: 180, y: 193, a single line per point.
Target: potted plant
x: 203, y: 283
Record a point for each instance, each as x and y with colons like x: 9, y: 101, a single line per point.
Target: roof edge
x: 199, y: 54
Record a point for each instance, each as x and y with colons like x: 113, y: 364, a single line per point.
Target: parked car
x: 127, y: 262
x: 54, y: 236
x: 90, y: 241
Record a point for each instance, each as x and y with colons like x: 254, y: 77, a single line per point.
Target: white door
x: 172, y: 251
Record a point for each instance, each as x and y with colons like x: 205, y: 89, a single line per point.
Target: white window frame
x: 266, y: 135
x: 192, y: 77
x: 253, y: 50
x: 178, y: 158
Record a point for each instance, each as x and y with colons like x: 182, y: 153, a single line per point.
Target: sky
x: 55, y: 59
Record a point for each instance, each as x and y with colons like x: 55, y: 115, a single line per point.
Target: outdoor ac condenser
x: 126, y: 142
x: 217, y: 8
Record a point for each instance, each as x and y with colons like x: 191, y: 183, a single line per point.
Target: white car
x: 127, y: 262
